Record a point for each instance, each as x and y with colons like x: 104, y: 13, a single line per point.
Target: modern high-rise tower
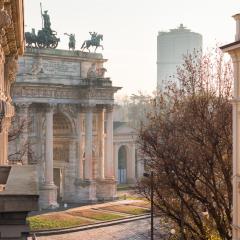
x: 171, y: 46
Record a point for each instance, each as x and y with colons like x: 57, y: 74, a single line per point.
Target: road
x: 137, y: 230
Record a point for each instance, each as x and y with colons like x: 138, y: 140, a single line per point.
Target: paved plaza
x: 137, y: 230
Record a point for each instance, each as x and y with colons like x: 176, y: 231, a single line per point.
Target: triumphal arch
x: 68, y: 103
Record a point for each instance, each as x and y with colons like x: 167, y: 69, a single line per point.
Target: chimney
x: 237, y: 19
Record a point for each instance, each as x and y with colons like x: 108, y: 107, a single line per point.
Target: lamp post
x: 151, y: 183
x: 182, y: 221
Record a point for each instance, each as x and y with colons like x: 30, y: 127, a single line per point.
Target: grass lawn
x: 75, y: 218
x: 130, y: 197
x: 122, y: 187
x: 96, y: 215
x: 55, y: 220
x: 143, y: 204
x: 133, y: 210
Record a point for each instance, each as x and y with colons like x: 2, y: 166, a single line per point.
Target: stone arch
x: 63, y: 131
x: 62, y: 126
x: 123, y: 156
x: 71, y: 120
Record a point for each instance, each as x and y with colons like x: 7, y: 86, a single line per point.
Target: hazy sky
x: 130, y: 30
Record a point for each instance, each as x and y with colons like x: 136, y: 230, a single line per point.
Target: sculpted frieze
x: 11, y: 67
x: 59, y: 93
x: 39, y: 65
x: 5, y: 21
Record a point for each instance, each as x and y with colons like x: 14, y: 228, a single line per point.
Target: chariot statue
x: 94, y: 41
x: 72, y: 41
x: 46, y: 37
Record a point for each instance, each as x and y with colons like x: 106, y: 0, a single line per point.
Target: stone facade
x: 18, y: 184
x: 69, y: 104
x: 11, y: 45
x: 234, y: 50
x: 128, y: 164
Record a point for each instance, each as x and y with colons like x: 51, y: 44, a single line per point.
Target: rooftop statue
x: 46, y: 20
x: 72, y: 41
x: 46, y: 38
x: 95, y: 41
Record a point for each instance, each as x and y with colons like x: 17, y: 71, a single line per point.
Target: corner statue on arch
x: 46, y: 37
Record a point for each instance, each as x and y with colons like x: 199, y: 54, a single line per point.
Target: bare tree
x: 187, y: 143
x: 18, y: 127
x: 134, y: 108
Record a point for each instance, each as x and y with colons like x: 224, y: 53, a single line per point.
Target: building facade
x: 171, y: 46
x: 18, y: 185
x: 128, y: 164
x: 234, y: 51
x: 68, y: 104
x: 11, y: 46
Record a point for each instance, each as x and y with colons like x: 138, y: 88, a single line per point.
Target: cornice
x: 64, y: 55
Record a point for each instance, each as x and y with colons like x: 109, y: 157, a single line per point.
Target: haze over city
x: 130, y: 29
x: 87, y: 152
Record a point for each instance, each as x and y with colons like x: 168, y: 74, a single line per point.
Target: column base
x: 48, y: 196
x: 85, y: 191
x: 106, y: 189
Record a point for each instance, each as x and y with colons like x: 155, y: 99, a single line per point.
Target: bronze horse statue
x: 31, y: 38
x: 95, y: 42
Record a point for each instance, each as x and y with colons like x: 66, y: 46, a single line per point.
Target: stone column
x: 116, y: 149
x: 7, y: 124
x: 80, y: 147
x: 85, y: 187
x: 106, y: 188
x: 23, y: 109
x: 4, y: 141
x: 49, y: 146
x: 109, y: 165
x: 101, y: 143
x: 131, y: 164
x: 236, y: 149
x: 88, y: 144
x: 48, y: 191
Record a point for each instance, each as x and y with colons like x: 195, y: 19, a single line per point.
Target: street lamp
x: 151, y: 183
x: 182, y: 221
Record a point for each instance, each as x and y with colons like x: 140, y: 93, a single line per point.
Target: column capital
x: 22, y: 105
x: 50, y: 107
x: 88, y: 107
x: 109, y: 108
x: 100, y: 108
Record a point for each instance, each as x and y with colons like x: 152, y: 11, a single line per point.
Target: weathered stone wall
x: 11, y: 45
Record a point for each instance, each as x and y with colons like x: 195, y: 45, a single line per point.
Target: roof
x: 230, y: 45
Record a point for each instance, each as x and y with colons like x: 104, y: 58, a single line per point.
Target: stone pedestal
x: 14, y: 226
x: 85, y: 191
x: 106, y: 189
x: 17, y: 199
x: 48, y: 196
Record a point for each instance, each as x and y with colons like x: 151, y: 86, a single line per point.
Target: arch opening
x: 122, y: 165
